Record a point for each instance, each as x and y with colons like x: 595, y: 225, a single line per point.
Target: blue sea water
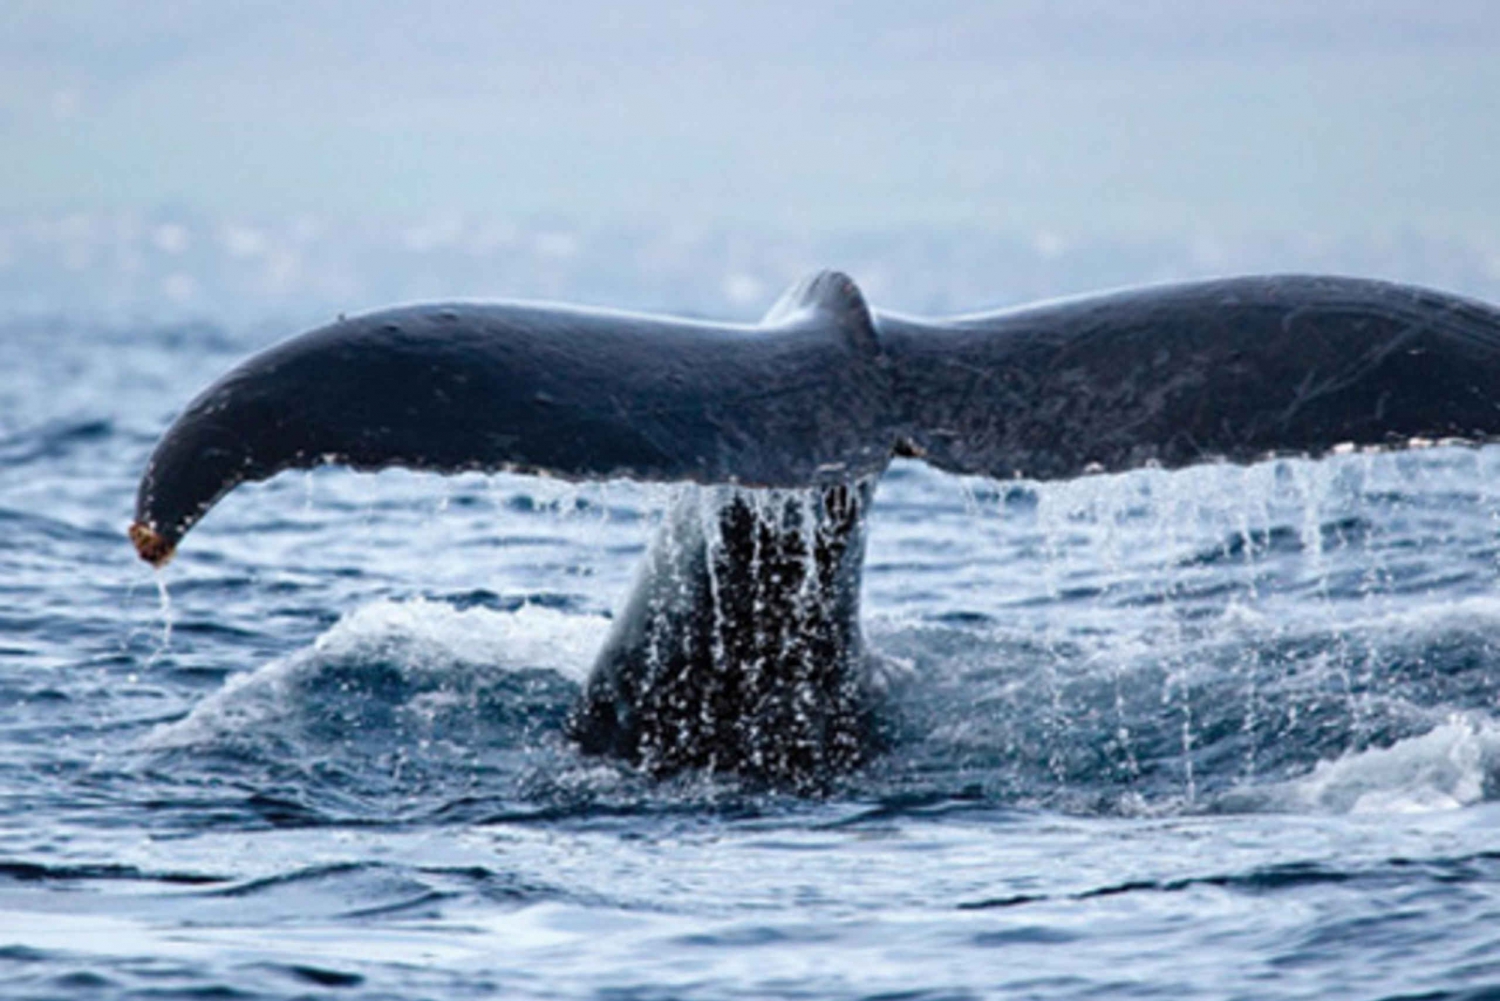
x: 1222, y: 733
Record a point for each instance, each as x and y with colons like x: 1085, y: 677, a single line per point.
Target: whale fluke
x: 740, y: 649
x: 575, y: 393
x: 1239, y: 369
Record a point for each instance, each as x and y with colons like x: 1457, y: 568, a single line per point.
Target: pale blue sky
x: 1088, y: 118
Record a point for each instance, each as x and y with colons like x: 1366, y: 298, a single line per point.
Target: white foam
x: 422, y: 638
x: 1422, y: 616
x: 1443, y: 769
x: 425, y: 632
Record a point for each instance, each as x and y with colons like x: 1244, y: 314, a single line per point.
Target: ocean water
x: 1222, y: 733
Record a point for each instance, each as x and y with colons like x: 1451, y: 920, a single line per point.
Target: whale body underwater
x: 740, y: 648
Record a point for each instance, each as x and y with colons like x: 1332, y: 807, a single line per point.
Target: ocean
x: 1228, y: 732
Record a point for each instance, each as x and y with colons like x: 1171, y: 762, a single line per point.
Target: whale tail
x: 741, y: 648
x: 824, y: 390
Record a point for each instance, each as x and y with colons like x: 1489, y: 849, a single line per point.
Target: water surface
x: 1227, y: 732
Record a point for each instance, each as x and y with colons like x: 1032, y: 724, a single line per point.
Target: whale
x: 739, y: 649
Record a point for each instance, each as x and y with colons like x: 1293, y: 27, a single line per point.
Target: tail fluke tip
x: 152, y: 546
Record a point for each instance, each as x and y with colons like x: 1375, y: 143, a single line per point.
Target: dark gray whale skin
x: 1238, y: 369
x: 575, y: 393
x: 740, y: 649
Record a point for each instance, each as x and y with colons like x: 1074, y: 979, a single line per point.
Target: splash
x: 1444, y: 769
x: 1186, y: 637
x: 396, y: 670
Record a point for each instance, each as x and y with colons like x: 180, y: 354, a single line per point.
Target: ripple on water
x: 1156, y: 733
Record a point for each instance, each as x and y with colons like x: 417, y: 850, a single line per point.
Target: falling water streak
x: 1373, y: 583
x: 1115, y: 511
x: 1170, y: 526
x: 1489, y: 500
x: 164, y: 605
x: 972, y: 507
x: 1314, y: 483
x: 805, y: 504
x: 713, y: 544
x: 1052, y: 518
x: 656, y: 604
x: 756, y: 502
x: 1246, y: 665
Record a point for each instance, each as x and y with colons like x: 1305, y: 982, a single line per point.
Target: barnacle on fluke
x: 152, y: 548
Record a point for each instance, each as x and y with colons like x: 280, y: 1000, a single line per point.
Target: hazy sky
x: 1083, y: 116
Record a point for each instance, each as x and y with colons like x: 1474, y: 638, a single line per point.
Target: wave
x: 441, y: 705
x: 1448, y: 767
